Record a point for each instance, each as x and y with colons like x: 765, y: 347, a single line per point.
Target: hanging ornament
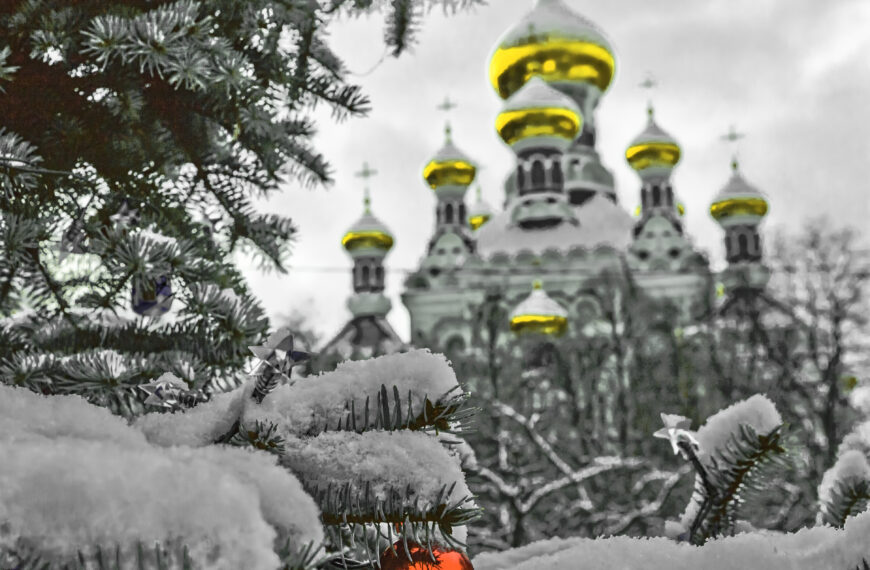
x: 278, y: 358
x: 155, y: 302
x: 396, y: 558
x: 676, y: 431
x: 169, y: 391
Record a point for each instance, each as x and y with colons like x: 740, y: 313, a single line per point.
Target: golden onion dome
x: 479, y: 213
x: 539, y: 313
x: 738, y: 202
x: 538, y: 114
x: 368, y: 236
x: 653, y: 150
x: 556, y: 44
x: 449, y: 167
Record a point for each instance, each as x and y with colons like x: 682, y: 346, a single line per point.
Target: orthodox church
x: 560, y: 226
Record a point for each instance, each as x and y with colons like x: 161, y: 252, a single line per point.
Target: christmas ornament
x: 153, y: 303
x: 71, y: 241
x: 125, y: 217
x: 444, y: 558
x: 169, y: 391
x: 278, y: 358
x: 676, y: 431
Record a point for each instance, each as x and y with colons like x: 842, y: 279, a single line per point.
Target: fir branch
x: 737, y: 468
x: 390, y: 412
x: 261, y: 435
x: 848, y: 498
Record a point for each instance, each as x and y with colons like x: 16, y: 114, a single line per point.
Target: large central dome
x: 556, y: 44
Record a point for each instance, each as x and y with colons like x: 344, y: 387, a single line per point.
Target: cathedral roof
x: 653, y: 148
x: 368, y: 233
x: 538, y: 110
x: 555, y: 43
x: 365, y: 337
x: 601, y: 223
x: 738, y: 201
x: 539, y: 313
x: 450, y: 166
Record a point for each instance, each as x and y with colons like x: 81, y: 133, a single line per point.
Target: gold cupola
x: 450, y: 166
x: 553, y: 43
x: 539, y: 314
x: 368, y: 236
x: 539, y: 115
x: 653, y: 152
x: 480, y: 212
x: 738, y: 202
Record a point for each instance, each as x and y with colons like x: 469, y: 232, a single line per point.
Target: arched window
x: 558, y: 180
x: 521, y: 178
x: 756, y: 242
x: 448, y: 213
x: 366, y: 273
x: 438, y: 214
x: 670, y: 195
x: 462, y: 215
x: 743, y: 245
x: 656, y: 196
x: 537, y: 174
x: 379, y: 277
x: 644, y: 198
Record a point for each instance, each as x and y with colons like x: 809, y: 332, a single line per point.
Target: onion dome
x: 479, y: 213
x: 738, y: 202
x: 368, y: 236
x: 538, y: 313
x: 653, y: 152
x: 449, y: 166
x: 556, y: 44
x: 539, y: 115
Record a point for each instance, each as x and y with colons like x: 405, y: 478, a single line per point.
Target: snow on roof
x: 807, y: 549
x: 71, y: 471
x: 303, y: 407
x: 602, y: 223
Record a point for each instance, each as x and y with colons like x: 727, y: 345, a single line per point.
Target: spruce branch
x: 848, y: 498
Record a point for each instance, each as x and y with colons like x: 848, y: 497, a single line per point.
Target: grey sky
x: 794, y: 75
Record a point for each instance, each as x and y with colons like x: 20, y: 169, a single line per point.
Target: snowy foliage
x: 308, y: 406
x: 74, y: 476
x: 757, y: 411
x: 808, y: 549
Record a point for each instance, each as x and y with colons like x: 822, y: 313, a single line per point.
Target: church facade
x: 560, y: 227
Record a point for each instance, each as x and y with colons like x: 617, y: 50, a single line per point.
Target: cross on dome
x: 649, y: 84
x: 732, y: 136
x: 365, y: 174
x: 447, y: 105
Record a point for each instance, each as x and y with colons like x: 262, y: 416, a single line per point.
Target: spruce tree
x: 134, y: 137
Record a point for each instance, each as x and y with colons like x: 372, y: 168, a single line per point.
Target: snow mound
x: 74, y: 476
x: 383, y: 459
x: 198, y: 426
x: 858, y: 439
x: 808, y: 549
x: 305, y: 407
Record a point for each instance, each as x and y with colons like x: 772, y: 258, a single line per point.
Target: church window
x: 521, y: 178
x: 670, y: 196
x: 656, y: 196
x: 756, y: 242
x: 743, y: 245
x: 557, y: 174
x: 366, y: 273
x: 462, y: 215
x: 537, y: 174
x: 674, y: 253
x: 643, y: 255
x: 379, y: 277
x: 644, y: 198
x: 448, y: 213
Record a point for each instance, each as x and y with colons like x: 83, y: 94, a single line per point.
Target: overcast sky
x: 793, y: 75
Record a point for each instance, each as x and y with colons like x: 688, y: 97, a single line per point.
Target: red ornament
x: 445, y: 558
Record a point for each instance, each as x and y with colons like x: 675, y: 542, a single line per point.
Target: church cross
x: 365, y: 174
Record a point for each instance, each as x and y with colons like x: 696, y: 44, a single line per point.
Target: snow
x: 808, y: 549
x: 384, y: 459
x: 858, y: 438
x: 198, y: 426
x: 73, y: 475
x: 852, y: 464
x: 757, y: 411
x: 304, y: 407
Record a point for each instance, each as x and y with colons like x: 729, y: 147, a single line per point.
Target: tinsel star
x: 278, y: 358
x: 169, y: 391
x: 676, y: 430
x: 125, y: 216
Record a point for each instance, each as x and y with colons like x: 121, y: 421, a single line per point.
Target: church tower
x: 368, y: 334
x: 739, y: 208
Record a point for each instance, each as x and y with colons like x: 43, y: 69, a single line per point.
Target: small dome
x: 537, y: 114
x: 538, y: 313
x: 556, y: 44
x: 738, y: 202
x: 367, y: 236
x: 653, y: 149
x: 449, y: 167
x: 479, y: 213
